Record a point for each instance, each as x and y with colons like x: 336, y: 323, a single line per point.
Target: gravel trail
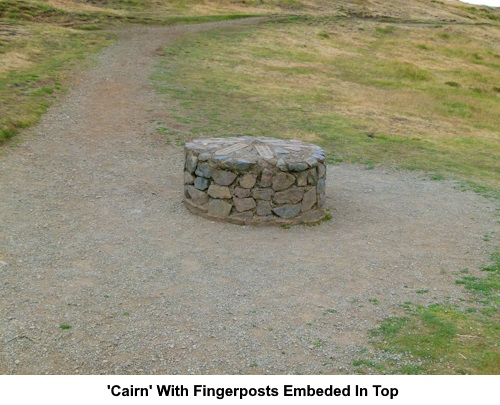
x: 93, y: 234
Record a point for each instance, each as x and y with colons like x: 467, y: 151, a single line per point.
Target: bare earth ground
x: 93, y: 234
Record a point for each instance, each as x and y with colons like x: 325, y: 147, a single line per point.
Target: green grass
x: 361, y: 95
x: 41, y: 44
x: 444, y: 339
x: 318, y: 344
x: 37, y: 58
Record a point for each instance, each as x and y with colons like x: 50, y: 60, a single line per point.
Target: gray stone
x: 297, y: 166
x: 290, y: 196
x: 319, y: 156
x: 321, y: 186
x: 312, y: 177
x: 321, y: 170
x: 244, y: 204
x: 302, y: 178
x: 191, y: 162
x: 287, y: 211
x: 281, y: 164
x: 243, y: 165
x: 272, y: 162
x: 321, y: 200
x: 219, y: 208
x: 201, y: 183
x: 264, y: 208
x: 228, y: 164
x: 282, y: 181
x: 198, y: 197
x: 248, y: 180
x: 313, y: 216
x: 242, y: 217
x: 188, y: 178
x: 223, y: 177
x: 262, y: 220
x: 216, y: 191
x: 311, y: 162
x: 309, y: 199
x: 242, y: 192
x: 262, y: 194
x: 282, y: 151
x: 203, y: 157
x: 266, y: 177
x: 264, y: 164
x: 203, y: 170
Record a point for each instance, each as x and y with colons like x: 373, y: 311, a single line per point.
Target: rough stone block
x: 321, y: 186
x: 291, y: 195
x: 281, y: 164
x: 248, y: 180
x: 242, y: 192
x: 321, y: 170
x: 188, y: 178
x: 191, y: 162
x: 243, y: 165
x: 216, y: 191
x: 302, y: 178
x: 309, y: 199
x: 321, y: 200
x: 223, y: 177
x: 282, y: 181
x: 297, y: 166
x: 242, y: 218
x: 313, y: 216
x: 201, y: 183
x: 287, y: 211
x: 219, y: 208
x: 198, y: 197
x: 203, y: 170
x: 244, y: 204
x: 264, y: 208
x: 262, y: 194
x: 311, y: 161
x: 266, y: 178
x: 312, y: 177
x: 203, y: 157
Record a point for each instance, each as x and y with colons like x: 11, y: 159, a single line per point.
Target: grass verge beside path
x: 440, y: 338
x: 40, y: 44
x: 35, y: 59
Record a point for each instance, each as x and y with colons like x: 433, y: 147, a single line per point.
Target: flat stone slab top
x: 258, y: 181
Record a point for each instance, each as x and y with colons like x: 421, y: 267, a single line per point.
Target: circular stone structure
x: 258, y: 181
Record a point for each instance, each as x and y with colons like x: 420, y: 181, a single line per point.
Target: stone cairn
x: 257, y: 181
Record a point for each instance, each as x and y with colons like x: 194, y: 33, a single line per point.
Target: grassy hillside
x: 404, y: 94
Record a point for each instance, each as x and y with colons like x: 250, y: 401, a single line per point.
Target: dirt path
x: 93, y: 234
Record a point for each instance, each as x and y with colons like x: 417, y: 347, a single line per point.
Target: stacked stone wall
x: 255, y: 191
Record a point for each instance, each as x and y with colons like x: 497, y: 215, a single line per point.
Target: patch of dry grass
x: 34, y: 60
x: 420, y: 97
